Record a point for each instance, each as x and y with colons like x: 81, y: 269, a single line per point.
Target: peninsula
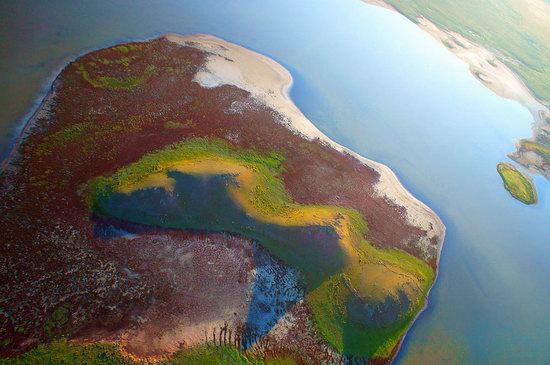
x: 168, y: 202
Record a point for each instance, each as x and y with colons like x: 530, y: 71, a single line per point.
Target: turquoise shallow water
x: 373, y: 81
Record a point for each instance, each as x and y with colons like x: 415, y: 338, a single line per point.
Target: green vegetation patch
x: 122, y: 48
x: 332, y: 316
x: 89, y: 135
x: 67, y: 135
x: 219, y: 355
x: 57, y: 321
x: 191, y: 150
x: 113, y: 83
x: 519, y: 185
x: 179, y: 125
x: 538, y: 148
x: 64, y: 352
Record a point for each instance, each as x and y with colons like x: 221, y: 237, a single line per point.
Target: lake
x: 373, y: 81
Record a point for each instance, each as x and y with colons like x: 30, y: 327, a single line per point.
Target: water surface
x: 374, y: 82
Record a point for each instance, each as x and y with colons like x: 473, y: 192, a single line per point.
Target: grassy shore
x: 519, y: 185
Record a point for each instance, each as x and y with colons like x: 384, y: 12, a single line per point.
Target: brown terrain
x: 153, y: 290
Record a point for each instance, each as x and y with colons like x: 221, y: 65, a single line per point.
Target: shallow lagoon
x: 374, y: 82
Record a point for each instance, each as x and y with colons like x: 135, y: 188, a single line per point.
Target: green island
x: 517, y: 183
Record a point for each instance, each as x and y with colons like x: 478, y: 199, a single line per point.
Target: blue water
x: 374, y: 82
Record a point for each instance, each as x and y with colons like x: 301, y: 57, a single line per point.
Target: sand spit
x: 269, y: 83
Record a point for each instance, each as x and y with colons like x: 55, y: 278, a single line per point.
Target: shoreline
x: 44, y: 106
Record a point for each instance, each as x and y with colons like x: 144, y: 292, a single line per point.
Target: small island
x: 532, y: 155
x: 517, y: 183
x: 168, y: 202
